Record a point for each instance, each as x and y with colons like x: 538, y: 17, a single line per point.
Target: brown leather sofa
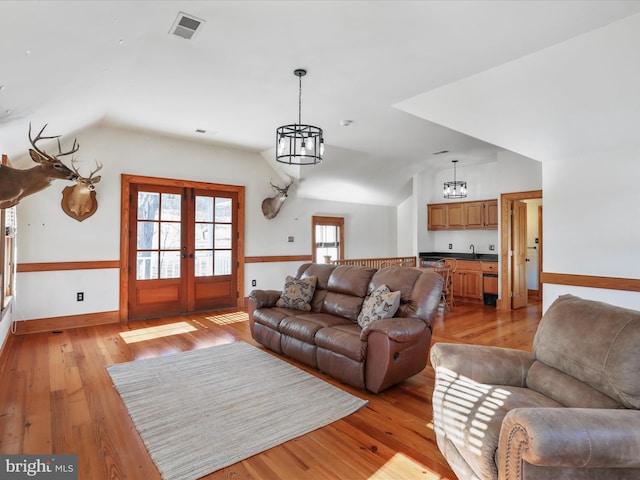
x: 569, y: 410
x: 328, y: 336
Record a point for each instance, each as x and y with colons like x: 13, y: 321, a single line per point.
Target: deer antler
x: 39, y: 137
x: 98, y: 168
x: 93, y: 172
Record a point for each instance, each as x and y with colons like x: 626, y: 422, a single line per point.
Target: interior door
x: 183, y: 244
x: 519, y: 256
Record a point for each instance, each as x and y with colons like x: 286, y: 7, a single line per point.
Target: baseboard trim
x: 64, y: 323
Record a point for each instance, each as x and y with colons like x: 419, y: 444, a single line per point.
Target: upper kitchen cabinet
x: 478, y: 215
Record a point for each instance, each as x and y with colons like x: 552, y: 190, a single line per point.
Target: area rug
x: 203, y: 410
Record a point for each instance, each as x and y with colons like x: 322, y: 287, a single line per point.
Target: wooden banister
x: 378, y: 262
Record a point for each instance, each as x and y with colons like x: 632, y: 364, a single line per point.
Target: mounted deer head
x: 271, y: 206
x: 15, y: 184
x: 79, y: 201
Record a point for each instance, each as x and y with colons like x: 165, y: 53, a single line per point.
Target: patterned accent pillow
x: 381, y: 303
x: 297, y: 294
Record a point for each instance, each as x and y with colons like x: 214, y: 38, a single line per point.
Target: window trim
x: 317, y: 220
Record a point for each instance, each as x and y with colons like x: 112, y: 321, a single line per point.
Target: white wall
x: 47, y: 234
x: 591, y: 222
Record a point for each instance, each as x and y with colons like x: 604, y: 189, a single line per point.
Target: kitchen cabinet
x: 437, y: 217
x: 467, y: 280
x: 491, y: 214
x: 489, y: 277
x: 455, y: 216
x: 477, y: 215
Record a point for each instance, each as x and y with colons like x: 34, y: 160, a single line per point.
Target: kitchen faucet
x: 473, y: 249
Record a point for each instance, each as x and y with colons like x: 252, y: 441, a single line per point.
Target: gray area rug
x: 202, y: 410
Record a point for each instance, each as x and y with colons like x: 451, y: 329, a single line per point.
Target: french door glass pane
x: 222, y: 264
x: 204, y: 209
x: 147, y: 235
x: 147, y: 266
x: 169, y: 236
x: 204, y: 263
x: 171, y: 208
x: 204, y: 238
x: 169, y: 264
x: 223, y: 236
x: 148, y: 204
x: 223, y: 210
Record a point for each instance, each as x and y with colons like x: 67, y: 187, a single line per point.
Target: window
x: 327, y: 238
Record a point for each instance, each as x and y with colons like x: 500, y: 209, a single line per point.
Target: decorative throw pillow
x: 297, y: 294
x: 381, y: 303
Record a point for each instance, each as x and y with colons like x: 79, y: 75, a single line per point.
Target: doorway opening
x: 517, y: 248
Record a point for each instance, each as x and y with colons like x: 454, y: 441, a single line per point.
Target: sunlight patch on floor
x: 149, y: 333
x: 228, y: 318
x: 401, y: 466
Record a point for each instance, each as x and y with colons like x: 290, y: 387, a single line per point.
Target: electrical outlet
x: 492, y: 248
x: 80, y: 296
x: 451, y: 246
x: 253, y: 283
x: 290, y: 239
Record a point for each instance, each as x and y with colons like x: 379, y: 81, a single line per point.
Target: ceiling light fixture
x: 299, y: 144
x: 457, y: 188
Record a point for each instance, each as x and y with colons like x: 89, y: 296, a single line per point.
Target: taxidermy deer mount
x: 271, y: 206
x: 79, y: 201
x: 15, y: 184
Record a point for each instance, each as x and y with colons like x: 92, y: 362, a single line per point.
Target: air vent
x: 185, y: 25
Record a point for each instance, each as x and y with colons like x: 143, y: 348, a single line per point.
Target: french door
x: 183, y: 249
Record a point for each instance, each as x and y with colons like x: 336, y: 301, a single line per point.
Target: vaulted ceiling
x: 404, y: 72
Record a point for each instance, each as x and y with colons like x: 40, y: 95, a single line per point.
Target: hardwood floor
x: 56, y: 397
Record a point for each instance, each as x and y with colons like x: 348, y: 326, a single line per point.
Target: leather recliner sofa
x: 328, y: 336
x: 568, y: 410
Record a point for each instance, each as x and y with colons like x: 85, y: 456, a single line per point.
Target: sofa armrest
x: 264, y: 298
x: 492, y: 365
x: 397, y: 329
x: 569, y: 437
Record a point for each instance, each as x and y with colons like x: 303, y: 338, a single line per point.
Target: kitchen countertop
x: 485, y: 257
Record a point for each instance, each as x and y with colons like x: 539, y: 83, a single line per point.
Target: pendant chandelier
x: 299, y: 144
x: 457, y: 188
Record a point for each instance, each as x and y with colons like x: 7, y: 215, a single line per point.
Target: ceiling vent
x: 185, y: 26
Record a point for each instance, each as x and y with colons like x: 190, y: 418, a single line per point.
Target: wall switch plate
x: 492, y: 247
x: 80, y: 296
x: 253, y: 283
x: 451, y: 246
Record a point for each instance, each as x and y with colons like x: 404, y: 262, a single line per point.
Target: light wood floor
x: 56, y: 397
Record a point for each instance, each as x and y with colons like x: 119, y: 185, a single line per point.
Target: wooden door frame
x: 331, y: 221
x: 125, y: 191
x: 505, y: 243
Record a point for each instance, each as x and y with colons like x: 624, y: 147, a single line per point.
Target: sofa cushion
x: 608, y: 359
x: 297, y: 294
x: 271, y: 317
x: 322, y: 271
x: 343, y: 339
x: 566, y: 389
x: 381, y: 303
x: 305, y: 326
x: 347, y: 287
